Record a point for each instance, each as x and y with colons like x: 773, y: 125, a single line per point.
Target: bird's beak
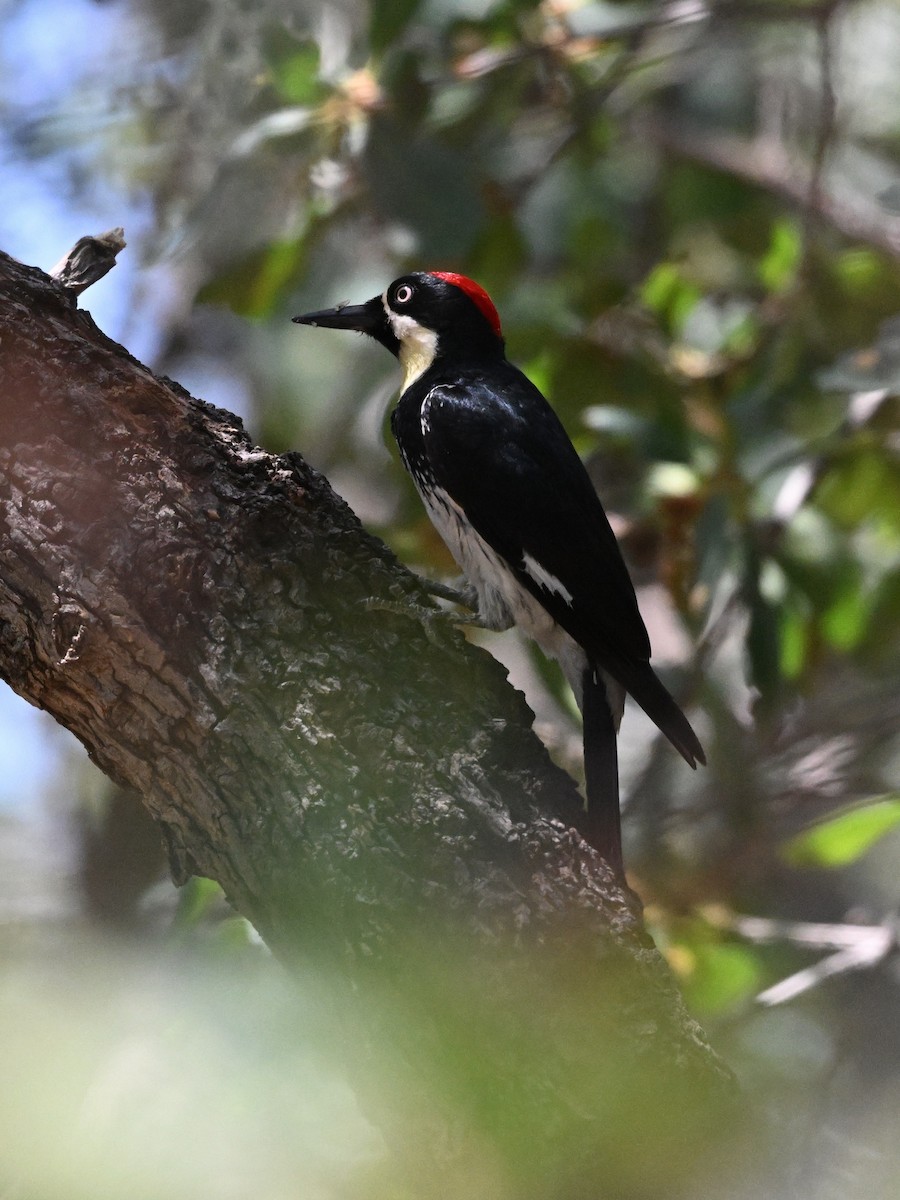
x: 360, y: 317
x: 369, y: 318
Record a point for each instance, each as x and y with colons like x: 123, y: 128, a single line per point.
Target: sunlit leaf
x: 778, y: 267
x: 195, y: 900
x: 722, y: 975
x: 669, y: 294
x: 845, y: 838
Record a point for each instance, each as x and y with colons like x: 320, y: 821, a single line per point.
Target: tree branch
x: 90, y: 259
x: 765, y: 162
x: 196, y: 612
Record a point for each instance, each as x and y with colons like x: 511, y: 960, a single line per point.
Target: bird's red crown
x: 476, y: 294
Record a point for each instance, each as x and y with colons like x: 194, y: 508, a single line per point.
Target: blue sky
x: 60, y: 62
x: 46, y: 47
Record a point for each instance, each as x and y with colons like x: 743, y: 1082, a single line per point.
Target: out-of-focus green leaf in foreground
x: 201, y: 1075
x: 159, y: 1077
x: 844, y: 838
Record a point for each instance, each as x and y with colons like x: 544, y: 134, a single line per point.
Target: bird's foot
x: 464, y: 594
x: 433, y: 620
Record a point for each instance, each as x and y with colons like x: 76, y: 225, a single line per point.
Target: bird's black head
x: 422, y: 317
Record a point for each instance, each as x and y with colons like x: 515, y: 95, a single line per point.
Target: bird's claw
x: 464, y: 595
x: 431, y: 619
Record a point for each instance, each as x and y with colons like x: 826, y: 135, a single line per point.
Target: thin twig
x: 679, y: 12
x: 867, y: 952
x: 816, y: 197
x: 856, y: 948
x: 819, y: 935
x: 827, y: 105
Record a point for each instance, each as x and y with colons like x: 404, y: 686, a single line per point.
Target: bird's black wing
x: 503, y: 456
x: 500, y: 452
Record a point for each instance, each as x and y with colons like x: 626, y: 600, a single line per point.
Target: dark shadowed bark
x: 214, y: 625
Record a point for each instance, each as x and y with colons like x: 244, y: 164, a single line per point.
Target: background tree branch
x: 364, y: 785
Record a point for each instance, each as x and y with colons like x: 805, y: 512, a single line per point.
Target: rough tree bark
x: 365, y: 787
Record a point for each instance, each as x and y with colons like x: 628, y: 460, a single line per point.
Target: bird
x: 509, y: 495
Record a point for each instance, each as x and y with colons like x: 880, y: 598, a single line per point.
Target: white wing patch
x: 545, y: 579
x: 425, y: 415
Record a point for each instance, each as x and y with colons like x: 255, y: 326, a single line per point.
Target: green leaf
x: 862, y: 484
x: 195, y: 900
x: 234, y: 935
x: 778, y: 267
x: 845, y: 622
x: 294, y: 68
x: 723, y: 975
x: 795, y: 640
x: 859, y: 270
x: 846, y: 837
x: 669, y: 294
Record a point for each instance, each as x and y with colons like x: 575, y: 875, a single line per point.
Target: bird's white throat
x: 418, y: 346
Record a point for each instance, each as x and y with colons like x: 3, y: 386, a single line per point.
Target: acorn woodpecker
x: 509, y: 495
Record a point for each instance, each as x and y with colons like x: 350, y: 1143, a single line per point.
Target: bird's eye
x: 403, y: 294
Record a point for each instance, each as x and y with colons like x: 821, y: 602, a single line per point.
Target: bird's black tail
x: 603, y: 827
x: 643, y: 684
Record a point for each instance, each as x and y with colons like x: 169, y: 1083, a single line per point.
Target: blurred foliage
x: 844, y: 838
x: 687, y: 216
